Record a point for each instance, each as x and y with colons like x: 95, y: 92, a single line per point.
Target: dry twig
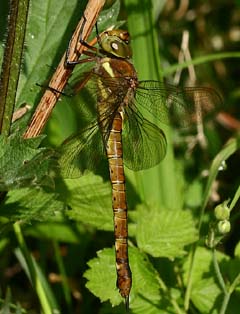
x: 63, y: 72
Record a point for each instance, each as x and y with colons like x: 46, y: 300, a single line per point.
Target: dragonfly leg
x: 85, y: 44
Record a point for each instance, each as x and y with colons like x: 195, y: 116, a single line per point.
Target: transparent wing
x: 144, y: 144
x: 86, y: 150
x: 181, y: 106
x: 81, y: 152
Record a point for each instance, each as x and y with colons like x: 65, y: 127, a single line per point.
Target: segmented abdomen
x: 119, y: 204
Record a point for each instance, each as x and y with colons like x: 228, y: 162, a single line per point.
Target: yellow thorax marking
x: 107, y: 67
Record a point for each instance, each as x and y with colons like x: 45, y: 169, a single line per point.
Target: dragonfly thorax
x: 116, y: 68
x: 115, y: 77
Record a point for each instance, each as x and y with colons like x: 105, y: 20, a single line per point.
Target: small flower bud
x: 224, y: 226
x: 222, y: 211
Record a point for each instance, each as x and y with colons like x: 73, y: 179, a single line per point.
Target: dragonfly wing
x: 184, y: 107
x: 81, y: 152
x: 144, y: 144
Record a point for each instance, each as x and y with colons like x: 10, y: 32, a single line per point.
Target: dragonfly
x: 122, y: 130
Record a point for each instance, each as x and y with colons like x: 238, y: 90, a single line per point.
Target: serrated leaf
x: 49, y: 30
x: 45, y: 40
x: 204, y: 295
x: 204, y: 264
x: 101, y: 277
x: 109, y: 16
x: 205, y: 288
x: 30, y: 204
x: 90, y: 201
x: 22, y: 164
x: 164, y: 233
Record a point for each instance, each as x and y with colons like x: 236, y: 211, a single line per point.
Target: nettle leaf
x: 205, y: 288
x: 101, y: 277
x: 204, y: 264
x: 204, y: 295
x: 47, y: 39
x: 22, y: 164
x: 90, y: 201
x: 30, y: 205
x: 166, y: 233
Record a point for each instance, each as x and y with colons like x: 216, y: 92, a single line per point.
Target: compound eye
x: 124, y: 35
x: 114, y: 46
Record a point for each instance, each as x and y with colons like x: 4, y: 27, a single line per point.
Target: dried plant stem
x: 63, y: 72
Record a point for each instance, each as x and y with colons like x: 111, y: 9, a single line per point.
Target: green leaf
x: 237, y: 250
x: 101, y: 277
x: 49, y: 30
x: 23, y: 164
x: 194, y: 194
x: 204, y: 295
x: 30, y: 204
x: 204, y: 263
x: 46, y: 41
x: 58, y: 228
x: 168, y: 232
x: 41, y: 284
x: 8, y: 307
x: 205, y: 288
x: 90, y: 201
x: 229, y: 148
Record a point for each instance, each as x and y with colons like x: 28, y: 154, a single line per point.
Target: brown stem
x: 62, y: 73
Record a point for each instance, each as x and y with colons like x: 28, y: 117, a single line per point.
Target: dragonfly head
x: 117, y: 43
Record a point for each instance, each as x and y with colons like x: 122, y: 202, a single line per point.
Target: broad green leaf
x: 205, y: 288
x: 143, y: 306
x: 204, y: 264
x: 30, y: 204
x: 58, y: 229
x: 49, y: 30
x: 232, y: 271
x: 204, y: 295
x: 23, y: 164
x: 90, y: 201
x: 46, y: 41
x: 101, y: 277
x: 165, y: 233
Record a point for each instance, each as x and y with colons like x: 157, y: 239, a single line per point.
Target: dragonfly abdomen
x: 119, y: 204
